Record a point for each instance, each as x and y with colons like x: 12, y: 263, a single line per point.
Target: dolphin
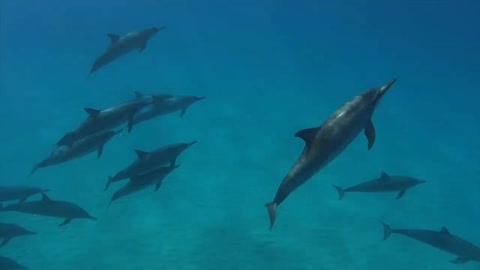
x: 50, y: 208
x: 10, y: 231
x: 324, y: 143
x: 78, y: 149
x: 20, y: 193
x: 9, y: 264
x: 166, y: 104
x: 442, y: 240
x: 141, y: 182
x: 149, y: 161
x: 122, y: 45
x: 385, y: 183
x: 102, y: 120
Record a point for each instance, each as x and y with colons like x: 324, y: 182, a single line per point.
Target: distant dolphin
x: 20, y: 193
x: 165, y: 104
x: 138, y: 183
x: 385, y: 183
x: 9, y: 264
x: 149, y: 161
x: 442, y: 240
x: 103, y: 120
x: 324, y: 143
x: 78, y: 149
x: 51, y: 208
x: 9, y: 231
x: 122, y: 45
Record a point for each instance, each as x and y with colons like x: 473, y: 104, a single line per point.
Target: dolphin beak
x: 385, y: 88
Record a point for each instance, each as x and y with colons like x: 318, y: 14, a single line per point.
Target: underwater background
x: 268, y: 69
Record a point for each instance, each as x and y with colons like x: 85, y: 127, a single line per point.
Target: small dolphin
x: 442, y: 240
x: 10, y: 231
x: 165, y: 104
x: 78, y: 149
x: 20, y: 193
x: 103, y: 120
x: 385, y: 183
x: 122, y: 45
x: 50, y: 208
x: 138, y: 183
x: 9, y: 264
x: 324, y: 143
x: 149, y: 161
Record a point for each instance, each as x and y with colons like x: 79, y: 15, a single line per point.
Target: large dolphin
x: 326, y: 142
x: 79, y: 149
x: 20, y: 193
x: 50, y: 208
x: 442, y: 240
x: 149, y: 161
x: 385, y: 183
x: 9, y: 264
x: 9, y: 231
x: 102, y: 120
x: 121, y: 45
x: 164, y: 104
x: 141, y: 182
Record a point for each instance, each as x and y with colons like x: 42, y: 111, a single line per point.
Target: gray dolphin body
x: 103, y: 120
x: 442, y: 240
x: 122, y: 45
x: 50, y: 208
x: 137, y: 183
x: 9, y: 231
x: 78, y: 149
x: 165, y: 104
x: 20, y: 193
x: 149, y: 161
x: 9, y: 264
x: 326, y: 142
x: 385, y: 183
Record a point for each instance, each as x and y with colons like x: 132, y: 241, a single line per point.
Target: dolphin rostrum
x: 122, y: 45
x: 149, y: 161
x: 324, y: 143
x: 9, y: 231
x: 141, y: 182
x: 50, y: 208
x: 442, y: 240
x: 385, y: 183
x: 79, y: 149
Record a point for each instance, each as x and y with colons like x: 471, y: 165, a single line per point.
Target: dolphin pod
x: 324, y: 143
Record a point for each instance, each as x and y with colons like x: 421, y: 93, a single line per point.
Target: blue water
x: 268, y: 69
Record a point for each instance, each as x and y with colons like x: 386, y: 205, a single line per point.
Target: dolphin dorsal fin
x: 92, y: 112
x: 444, y: 230
x: 138, y: 94
x: 384, y: 176
x: 308, y: 135
x: 113, y: 37
x: 142, y: 154
x: 45, y: 198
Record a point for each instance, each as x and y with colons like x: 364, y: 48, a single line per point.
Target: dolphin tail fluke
x: 341, y: 192
x: 387, y: 231
x: 4, y: 241
x: 272, y: 212
x: 109, y: 181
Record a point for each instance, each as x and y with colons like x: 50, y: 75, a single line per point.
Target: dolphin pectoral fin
x: 370, y: 134
x: 341, y: 192
x: 5, y: 241
x: 172, y: 162
x: 100, y: 151
x: 182, y: 113
x: 158, y: 185
x: 130, y: 124
x: 142, y: 47
x: 68, y: 220
x: 109, y: 181
x: 400, y: 194
x: 113, y: 37
x: 308, y: 135
x: 272, y: 212
x: 460, y: 260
